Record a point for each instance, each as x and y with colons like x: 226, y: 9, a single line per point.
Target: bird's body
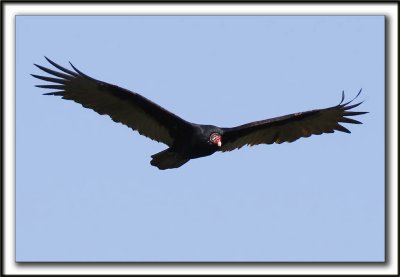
x: 188, y: 140
x: 195, y: 146
x: 199, y: 145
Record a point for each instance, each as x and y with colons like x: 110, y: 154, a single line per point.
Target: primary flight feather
x: 188, y: 140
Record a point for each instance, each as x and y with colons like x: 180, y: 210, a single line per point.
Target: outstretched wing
x: 291, y: 127
x: 122, y: 105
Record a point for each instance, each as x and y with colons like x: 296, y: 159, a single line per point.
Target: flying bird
x: 188, y: 140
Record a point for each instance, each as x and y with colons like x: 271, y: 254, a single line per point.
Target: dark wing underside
x: 291, y: 127
x: 123, y: 106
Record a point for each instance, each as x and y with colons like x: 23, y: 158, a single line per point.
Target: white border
x: 13, y: 9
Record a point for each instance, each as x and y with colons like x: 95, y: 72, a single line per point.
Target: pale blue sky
x: 85, y: 188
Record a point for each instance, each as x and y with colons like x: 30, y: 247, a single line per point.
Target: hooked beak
x: 219, y: 143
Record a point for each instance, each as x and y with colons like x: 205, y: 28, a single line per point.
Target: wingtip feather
x: 342, y: 129
x: 359, y: 93
x: 55, y: 93
x: 50, y: 61
x: 51, y: 86
x: 77, y: 70
x: 347, y: 103
x: 350, y: 120
x: 341, y: 101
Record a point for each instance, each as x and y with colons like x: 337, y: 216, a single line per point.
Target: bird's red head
x: 216, y: 139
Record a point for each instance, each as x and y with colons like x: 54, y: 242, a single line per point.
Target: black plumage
x: 187, y: 140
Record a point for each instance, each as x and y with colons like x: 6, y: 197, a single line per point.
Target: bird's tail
x: 168, y: 159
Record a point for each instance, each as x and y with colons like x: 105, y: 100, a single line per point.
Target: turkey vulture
x: 188, y: 140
